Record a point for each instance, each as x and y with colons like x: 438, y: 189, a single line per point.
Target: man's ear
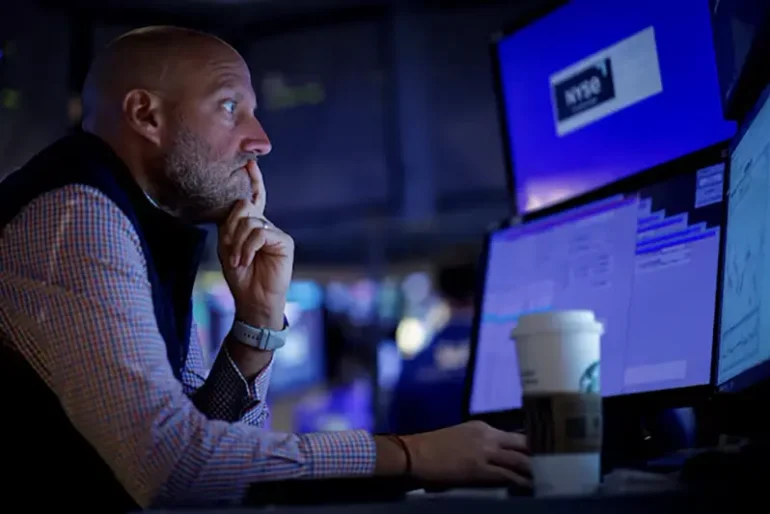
x: 143, y: 113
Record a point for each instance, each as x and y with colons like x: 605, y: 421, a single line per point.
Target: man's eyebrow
x: 224, y: 83
x: 233, y: 83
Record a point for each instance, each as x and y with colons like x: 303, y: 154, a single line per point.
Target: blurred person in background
x: 107, y: 402
x: 429, y: 392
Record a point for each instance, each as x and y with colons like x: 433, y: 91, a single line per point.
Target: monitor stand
x: 652, y: 439
x: 732, y: 469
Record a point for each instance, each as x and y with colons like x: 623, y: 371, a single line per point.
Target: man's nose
x: 257, y: 141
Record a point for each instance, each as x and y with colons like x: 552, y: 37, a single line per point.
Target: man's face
x: 212, y: 134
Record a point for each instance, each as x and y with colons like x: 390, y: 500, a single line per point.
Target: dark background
x: 382, y: 113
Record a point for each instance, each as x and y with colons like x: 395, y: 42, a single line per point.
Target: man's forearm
x: 391, y: 459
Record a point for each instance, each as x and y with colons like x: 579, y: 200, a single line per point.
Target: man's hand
x: 257, y: 259
x: 471, y: 453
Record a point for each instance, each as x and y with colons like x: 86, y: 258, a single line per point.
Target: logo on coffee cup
x: 589, y: 380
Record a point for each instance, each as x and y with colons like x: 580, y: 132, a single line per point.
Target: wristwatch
x: 260, y: 338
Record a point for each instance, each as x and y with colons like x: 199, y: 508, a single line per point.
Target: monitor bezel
x: 502, y: 112
x: 759, y: 374
x: 669, y: 398
x: 508, y: 419
x: 749, y: 83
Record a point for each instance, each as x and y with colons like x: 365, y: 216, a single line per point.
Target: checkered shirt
x: 76, y: 303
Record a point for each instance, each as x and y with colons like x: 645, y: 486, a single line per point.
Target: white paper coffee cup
x: 558, y: 354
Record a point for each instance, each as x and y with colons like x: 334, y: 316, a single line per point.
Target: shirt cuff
x: 257, y: 387
x: 254, y: 410
x: 336, y: 454
x: 228, y: 396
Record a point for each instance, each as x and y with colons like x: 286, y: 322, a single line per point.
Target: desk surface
x: 657, y: 504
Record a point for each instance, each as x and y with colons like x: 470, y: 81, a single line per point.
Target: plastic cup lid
x: 557, y: 321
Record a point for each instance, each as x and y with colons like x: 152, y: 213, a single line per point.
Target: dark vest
x: 49, y: 462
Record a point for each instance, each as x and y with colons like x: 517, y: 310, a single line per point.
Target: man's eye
x: 229, y: 105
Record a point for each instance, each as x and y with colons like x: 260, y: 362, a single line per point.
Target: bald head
x: 153, y: 58
x: 178, y: 107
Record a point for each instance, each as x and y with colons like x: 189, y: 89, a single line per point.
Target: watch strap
x: 260, y: 338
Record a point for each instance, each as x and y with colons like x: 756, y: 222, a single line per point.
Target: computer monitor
x: 744, y: 342
x: 597, y: 90
x: 642, y: 253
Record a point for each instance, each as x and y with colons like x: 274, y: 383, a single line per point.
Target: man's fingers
x: 242, y: 208
x: 254, y: 242
x: 242, y: 231
x: 239, y: 212
x: 512, y: 460
x: 258, y: 186
x: 508, y: 476
x: 251, y: 236
x: 514, y: 441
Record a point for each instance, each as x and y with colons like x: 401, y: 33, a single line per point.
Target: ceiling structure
x: 246, y: 12
x: 393, y: 238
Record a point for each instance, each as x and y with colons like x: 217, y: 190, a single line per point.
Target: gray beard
x: 195, y: 184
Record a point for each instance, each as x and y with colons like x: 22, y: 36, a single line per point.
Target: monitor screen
x: 598, y: 90
x: 744, y: 349
x: 645, y: 262
x: 301, y: 363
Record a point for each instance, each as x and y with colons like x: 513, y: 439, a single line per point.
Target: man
x: 429, y: 393
x: 102, y: 375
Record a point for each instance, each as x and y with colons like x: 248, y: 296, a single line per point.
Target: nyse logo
x: 584, y: 90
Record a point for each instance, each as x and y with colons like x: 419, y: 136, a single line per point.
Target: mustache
x: 243, y: 159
